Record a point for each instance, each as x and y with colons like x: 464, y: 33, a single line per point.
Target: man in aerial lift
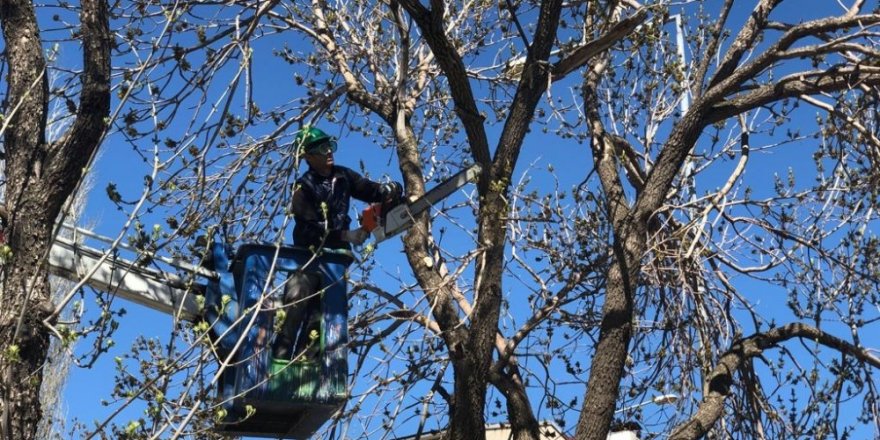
x: 320, y: 207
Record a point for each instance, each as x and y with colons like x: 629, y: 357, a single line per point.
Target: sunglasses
x: 322, y: 148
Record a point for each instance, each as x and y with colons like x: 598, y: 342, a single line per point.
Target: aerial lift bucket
x: 278, y: 398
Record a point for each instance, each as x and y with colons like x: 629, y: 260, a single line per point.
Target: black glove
x: 391, y: 192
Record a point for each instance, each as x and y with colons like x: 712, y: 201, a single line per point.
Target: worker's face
x: 320, y: 157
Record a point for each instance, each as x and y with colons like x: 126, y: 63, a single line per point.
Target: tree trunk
x: 467, y: 420
x: 609, y: 361
x: 40, y: 178
x: 21, y: 322
x: 25, y: 343
x: 523, y: 424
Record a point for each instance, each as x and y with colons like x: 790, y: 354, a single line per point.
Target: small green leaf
x: 200, y: 302
x: 219, y: 414
x: 13, y: 353
x: 201, y: 327
x: 5, y: 253
x: 280, y: 315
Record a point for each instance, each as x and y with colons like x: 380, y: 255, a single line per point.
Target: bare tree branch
x: 431, y: 23
x: 582, y: 55
x: 719, y: 382
x: 715, y: 35
x: 744, y: 41
x: 805, y: 83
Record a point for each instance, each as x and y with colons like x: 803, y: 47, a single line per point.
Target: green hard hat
x: 310, y: 137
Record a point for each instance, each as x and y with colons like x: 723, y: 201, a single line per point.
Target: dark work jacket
x: 336, y: 190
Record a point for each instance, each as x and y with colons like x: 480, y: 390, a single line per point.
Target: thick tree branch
x: 70, y: 155
x: 438, y: 288
x: 688, y: 130
x: 24, y: 137
x: 447, y: 56
x: 492, y: 227
x: 719, y: 382
x: 40, y: 178
x: 481, y: 335
x: 805, y: 83
x: 668, y: 165
x: 616, y: 326
x: 710, y: 108
x: 583, y: 54
x: 630, y: 227
x: 730, y: 81
x: 604, y: 157
x: 836, y: 46
x: 523, y: 424
x: 709, y: 54
x: 749, y: 33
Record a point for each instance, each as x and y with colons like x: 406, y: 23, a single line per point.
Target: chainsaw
x: 385, y: 221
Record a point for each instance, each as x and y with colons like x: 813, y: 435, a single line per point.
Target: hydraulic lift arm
x: 158, y: 290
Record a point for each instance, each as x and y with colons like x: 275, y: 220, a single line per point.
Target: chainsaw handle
x: 371, y: 217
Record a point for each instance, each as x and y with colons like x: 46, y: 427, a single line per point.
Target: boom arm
x: 155, y: 289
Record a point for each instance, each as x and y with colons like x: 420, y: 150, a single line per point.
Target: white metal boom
x: 153, y: 288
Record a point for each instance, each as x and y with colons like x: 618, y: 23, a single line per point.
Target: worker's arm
x: 368, y: 191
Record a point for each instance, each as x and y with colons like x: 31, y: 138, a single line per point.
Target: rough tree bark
x: 472, y: 354
x: 725, y: 95
x: 40, y: 178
